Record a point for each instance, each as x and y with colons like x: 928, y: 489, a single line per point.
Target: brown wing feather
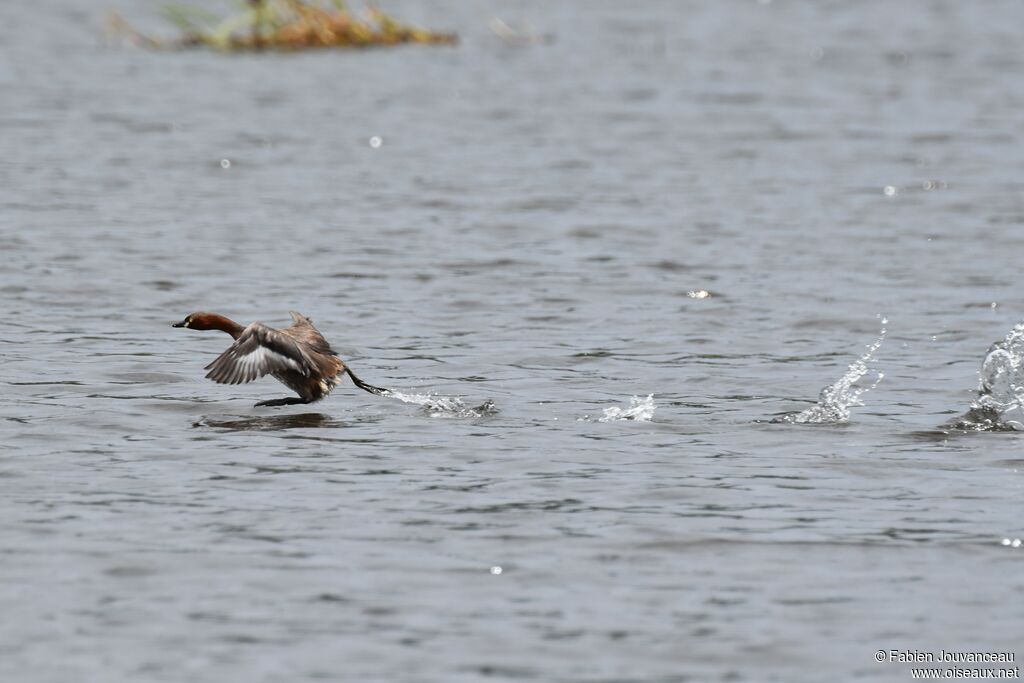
x: 259, y: 351
x: 304, y: 332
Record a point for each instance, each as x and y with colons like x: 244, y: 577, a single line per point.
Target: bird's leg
x: 289, y: 401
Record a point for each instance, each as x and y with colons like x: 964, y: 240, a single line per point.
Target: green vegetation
x: 285, y: 25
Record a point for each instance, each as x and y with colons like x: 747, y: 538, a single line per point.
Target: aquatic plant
x: 285, y: 25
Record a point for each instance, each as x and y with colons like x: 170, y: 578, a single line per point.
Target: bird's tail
x: 364, y: 386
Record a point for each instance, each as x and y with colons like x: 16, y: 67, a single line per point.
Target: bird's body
x: 298, y: 356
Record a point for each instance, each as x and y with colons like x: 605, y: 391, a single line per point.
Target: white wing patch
x: 263, y: 361
x: 234, y: 367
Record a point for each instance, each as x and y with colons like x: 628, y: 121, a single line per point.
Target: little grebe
x: 298, y: 356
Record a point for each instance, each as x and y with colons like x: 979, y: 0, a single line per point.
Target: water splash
x: 836, y: 400
x: 1000, y: 402
x: 444, y: 406
x: 639, y: 410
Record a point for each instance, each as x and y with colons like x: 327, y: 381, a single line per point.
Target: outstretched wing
x: 258, y: 351
x: 304, y: 331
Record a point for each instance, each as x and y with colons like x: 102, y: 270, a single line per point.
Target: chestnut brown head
x: 198, y: 321
x: 211, y: 321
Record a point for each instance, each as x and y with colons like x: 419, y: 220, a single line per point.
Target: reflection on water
x: 272, y: 423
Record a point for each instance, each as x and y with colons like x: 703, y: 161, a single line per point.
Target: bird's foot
x: 291, y: 400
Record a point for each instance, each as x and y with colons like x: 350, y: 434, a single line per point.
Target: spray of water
x: 444, y: 406
x: 836, y: 400
x: 638, y: 410
x: 1000, y: 401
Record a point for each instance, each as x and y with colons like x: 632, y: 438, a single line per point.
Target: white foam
x: 836, y: 400
x: 1001, y: 384
x: 639, y: 410
x: 444, y: 406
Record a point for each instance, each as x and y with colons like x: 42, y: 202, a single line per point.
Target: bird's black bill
x: 364, y: 386
x: 181, y: 324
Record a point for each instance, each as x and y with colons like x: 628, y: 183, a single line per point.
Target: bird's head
x: 197, y: 321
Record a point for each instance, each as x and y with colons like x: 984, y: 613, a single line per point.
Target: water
x: 529, y: 236
x: 1000, y: 401
x: 444, y: 406
x: 837, y: 399
x: 639, y: 409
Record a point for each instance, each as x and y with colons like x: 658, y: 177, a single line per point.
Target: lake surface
x: 535, y: 230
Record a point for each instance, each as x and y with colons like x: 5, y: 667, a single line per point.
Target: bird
x: 298, y: 356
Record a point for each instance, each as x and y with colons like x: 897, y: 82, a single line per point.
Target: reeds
x: 286, y: 25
